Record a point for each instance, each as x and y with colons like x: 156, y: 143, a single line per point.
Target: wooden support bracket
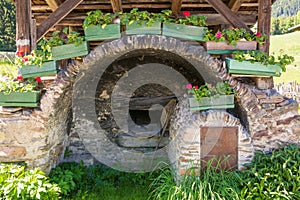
x: 54, y: 18
x: 228, y: 14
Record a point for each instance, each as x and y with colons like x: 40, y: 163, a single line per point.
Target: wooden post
x: 264, y: 22
x: 23, y: 29
x: 264, y: 26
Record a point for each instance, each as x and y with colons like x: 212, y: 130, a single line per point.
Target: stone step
x: 141, y: 142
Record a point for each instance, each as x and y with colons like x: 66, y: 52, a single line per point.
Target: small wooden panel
x: 220, y: 144
x: 94, y: 33
x: 184, y: 31
x: 48, y: 68
x: 70, y: 51
x: 143, y: 28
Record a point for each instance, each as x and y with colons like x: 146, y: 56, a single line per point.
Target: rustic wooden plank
x: 116, y: 5
x: 56, y: 17
x: 264, y: 22
x: 23, y: 19
x: 176, y: 6
x: 33, y: 34
x: 231, y: 17
x: 235, y: 5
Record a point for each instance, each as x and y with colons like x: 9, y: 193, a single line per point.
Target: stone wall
x: 38, y: 136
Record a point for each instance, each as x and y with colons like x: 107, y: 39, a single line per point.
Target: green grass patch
x: 288, y: 43
x: 7, y: 68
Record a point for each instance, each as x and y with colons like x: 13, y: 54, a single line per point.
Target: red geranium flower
x: 19, y: 78
x: 20, y: 53
x: 38, y: 79
x: 186, y: 13
x: 258, y: 34
x: 25, y: 59
x: 196, y: 87
x: 32, y: 54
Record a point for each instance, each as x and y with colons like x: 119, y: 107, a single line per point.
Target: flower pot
x: 213, y: 47
x: 48, y: 68
x: 27, y: 99
x: 94, y: 33
x: 248, y: 68
x: 70, y: 51
x: 143, y: 28
x: 215, y: 102
x: 184, y: 31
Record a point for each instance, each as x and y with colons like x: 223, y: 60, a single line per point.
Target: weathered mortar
x: 39, y: 136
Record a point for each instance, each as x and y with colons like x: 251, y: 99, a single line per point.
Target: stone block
x: 264, y: 83
x: 12, y: 151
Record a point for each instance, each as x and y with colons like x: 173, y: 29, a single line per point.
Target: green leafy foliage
x: 256, y: 56
x: 139, y: 16
x: 18, y: 183
x: 231, y: 36
x: 9, y: 85
x: 37, y: 57
x: 193, y: 20
x: 274, y: 175
x: 72, y: 37
x: 98, y: 18
x: 207, y: 90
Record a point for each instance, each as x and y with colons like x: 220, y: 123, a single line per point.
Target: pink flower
x: 25, y: 59
x: 218, y: 34
x: 186, y: 13
x: 19, y: 78
x: 258, y: 34
x: 38, y: 79
x: 196, y: 87
x: 189, y: 86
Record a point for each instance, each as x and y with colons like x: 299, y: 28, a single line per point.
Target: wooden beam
x: 23, y: 23
x: 55, y: 17
x: 235, y: 5
x: 264, y: 22
x: 231, y: 17
x: 116, y: 5
x: 53, y: 4
x: 176, y: 6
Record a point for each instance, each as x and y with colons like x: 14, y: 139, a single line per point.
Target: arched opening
x: 148, y: 117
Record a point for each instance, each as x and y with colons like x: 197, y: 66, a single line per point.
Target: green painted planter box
x: 94, y: 33
x: 28, y: 99
x: 184, y: 31
x: 213, y: 47
x: 216, y: 102
x: 142, y: 28
x: 70, y: 51
x: 48, y: 68
x: 248, y: 68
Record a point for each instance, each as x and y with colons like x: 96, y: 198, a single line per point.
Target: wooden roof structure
x: 35, y: 18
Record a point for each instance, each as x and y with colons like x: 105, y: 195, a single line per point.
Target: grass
x: 7, y: 68
x: 288, y: 43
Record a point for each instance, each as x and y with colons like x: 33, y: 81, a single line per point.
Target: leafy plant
x: 9, y: 85
x: 18, y: 183
x: 206, y: 90
x: 37, y: 57
x: 193, y: 20
x: 274, y: 175
x: 231, y: 36
x: 256, y: 56
x: 97, y: 17
x: 139, y: 16
x: 72, y: 37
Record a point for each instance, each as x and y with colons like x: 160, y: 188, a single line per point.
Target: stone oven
x: 125, y: 106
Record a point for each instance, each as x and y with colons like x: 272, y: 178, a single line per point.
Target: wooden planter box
x: 70, y: 51
x: 28, y: 99
x: 213, y: 47
x: 251, y: 69
x: 94, y: 33
x: 184, y: 31
x: 216, y: 102
x: 48, y: 68
x: 142, y: 28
